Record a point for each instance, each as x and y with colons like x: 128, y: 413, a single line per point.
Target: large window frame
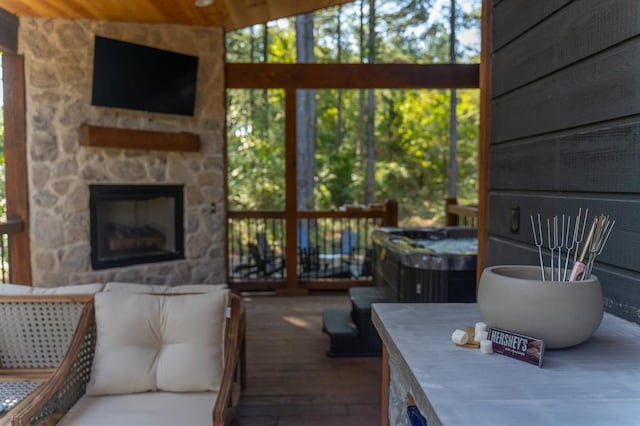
x: 292, y: 77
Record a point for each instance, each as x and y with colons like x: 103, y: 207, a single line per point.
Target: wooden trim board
x: 351, y: 76
x: 111, y: 137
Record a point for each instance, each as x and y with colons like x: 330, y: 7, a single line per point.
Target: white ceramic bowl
x: 563, y: 314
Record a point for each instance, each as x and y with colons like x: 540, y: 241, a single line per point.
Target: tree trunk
x: 453, y: 118
x: 370, y: 183
x: 339, y: 135
x: 305, y: 117
x: 252, y: 101
x: 360, y: 148
x: 265, y: 93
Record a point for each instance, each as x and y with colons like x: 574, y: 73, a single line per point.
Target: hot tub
x: 409, y: 265
x: 426, y: 264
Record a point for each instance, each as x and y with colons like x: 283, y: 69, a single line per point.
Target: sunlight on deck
x: 298, y: 322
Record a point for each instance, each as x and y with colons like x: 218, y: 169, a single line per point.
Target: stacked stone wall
x: 59, y: 67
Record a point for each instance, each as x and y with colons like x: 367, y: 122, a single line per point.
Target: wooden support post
x: 386, y: 380
x: 391, y: 213
x: 485, y: 137
x: 15, y: 154
x: 291, y: 196
x: 451, y: 219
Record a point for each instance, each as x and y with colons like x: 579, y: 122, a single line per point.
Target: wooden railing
x: 333, y: 248
x: 8, y: 228
x: 461, y: 215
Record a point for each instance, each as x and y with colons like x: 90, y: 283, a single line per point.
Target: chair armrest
x: 69, y: 380
x: 223, y: 411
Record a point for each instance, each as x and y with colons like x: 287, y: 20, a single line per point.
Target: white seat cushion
x: 157, y: 342
x: 149, y: 408
x: 163, y: 289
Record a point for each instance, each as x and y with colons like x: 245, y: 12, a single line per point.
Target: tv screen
x: 132, y: 76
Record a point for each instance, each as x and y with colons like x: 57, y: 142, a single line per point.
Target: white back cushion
x: 156, y: 342
x: 68, y: 289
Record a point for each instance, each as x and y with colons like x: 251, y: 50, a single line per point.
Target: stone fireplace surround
x: 58, y: 66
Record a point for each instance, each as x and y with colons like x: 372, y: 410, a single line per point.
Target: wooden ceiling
x: 229, y: 14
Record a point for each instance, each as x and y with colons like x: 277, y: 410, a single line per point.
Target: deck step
x: 346, y: 340
x: 336, y: 322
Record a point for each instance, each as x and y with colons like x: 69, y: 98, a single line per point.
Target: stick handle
x: 578, y: 268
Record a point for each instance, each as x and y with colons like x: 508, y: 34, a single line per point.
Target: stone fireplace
x: 135, y: 224
x: 58, y: 78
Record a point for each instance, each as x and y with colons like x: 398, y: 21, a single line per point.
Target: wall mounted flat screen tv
x: 132, y: 76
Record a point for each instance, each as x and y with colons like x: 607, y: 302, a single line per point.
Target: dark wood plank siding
x: 623, y: 247
x: 613, y: 151
x: 536, y: 53
x: 8, y: 31
x: 514, y: 17
x: 600, y: 88
x: 565, y: 130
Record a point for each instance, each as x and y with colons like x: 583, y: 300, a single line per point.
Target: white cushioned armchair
x: 147, y: 359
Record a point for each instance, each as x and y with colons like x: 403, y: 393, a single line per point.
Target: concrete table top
x: 595, y: 383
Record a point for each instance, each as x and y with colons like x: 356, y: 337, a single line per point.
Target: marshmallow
x: 480, y: 327
x: 460, y: 337
x: 481, y: 336
x: 486, y: 346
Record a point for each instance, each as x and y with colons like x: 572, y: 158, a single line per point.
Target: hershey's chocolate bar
x: 517, y: 346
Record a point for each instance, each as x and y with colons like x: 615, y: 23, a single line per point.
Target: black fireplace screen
x: 135, y: 224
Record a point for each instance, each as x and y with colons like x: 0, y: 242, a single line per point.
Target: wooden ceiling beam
x: 351, y: 76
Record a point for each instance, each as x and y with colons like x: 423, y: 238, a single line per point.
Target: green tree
x: 409, y: 129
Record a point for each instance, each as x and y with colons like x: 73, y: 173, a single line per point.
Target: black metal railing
x: 8, y: 228
x: 461, y: 215
x: 333, y: 248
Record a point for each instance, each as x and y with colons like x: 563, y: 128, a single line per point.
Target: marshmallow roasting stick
x: 552, y: 248
x: 561, y: 244
x: 578, y: 267
x: 582, y: 229
x: 571, y: 242
x: 538, y: 240
x: 599, y: 240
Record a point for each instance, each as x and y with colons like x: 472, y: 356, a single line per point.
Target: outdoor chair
x: 266, y: 252
x: 147, y: 359
x: 311, y: 267
x: 264, y: 266
x: 263, y: 261
x: 348, y: 248
x: 36, y: 330
x: 348, y: 242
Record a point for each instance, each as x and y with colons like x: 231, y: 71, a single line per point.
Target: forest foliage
x: 410, y: 127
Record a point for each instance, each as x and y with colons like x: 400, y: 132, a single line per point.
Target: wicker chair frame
x: 69, y: 381
x: 35, y: 334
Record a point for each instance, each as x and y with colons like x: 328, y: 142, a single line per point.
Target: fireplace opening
x: 135, y: 224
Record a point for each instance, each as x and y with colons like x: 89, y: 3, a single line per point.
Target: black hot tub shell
x: 409, y: 265
x: 426, y: 264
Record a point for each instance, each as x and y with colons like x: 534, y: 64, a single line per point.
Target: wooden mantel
x: 112, y: 137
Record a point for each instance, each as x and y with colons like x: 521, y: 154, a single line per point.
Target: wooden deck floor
x: 290, y: 379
